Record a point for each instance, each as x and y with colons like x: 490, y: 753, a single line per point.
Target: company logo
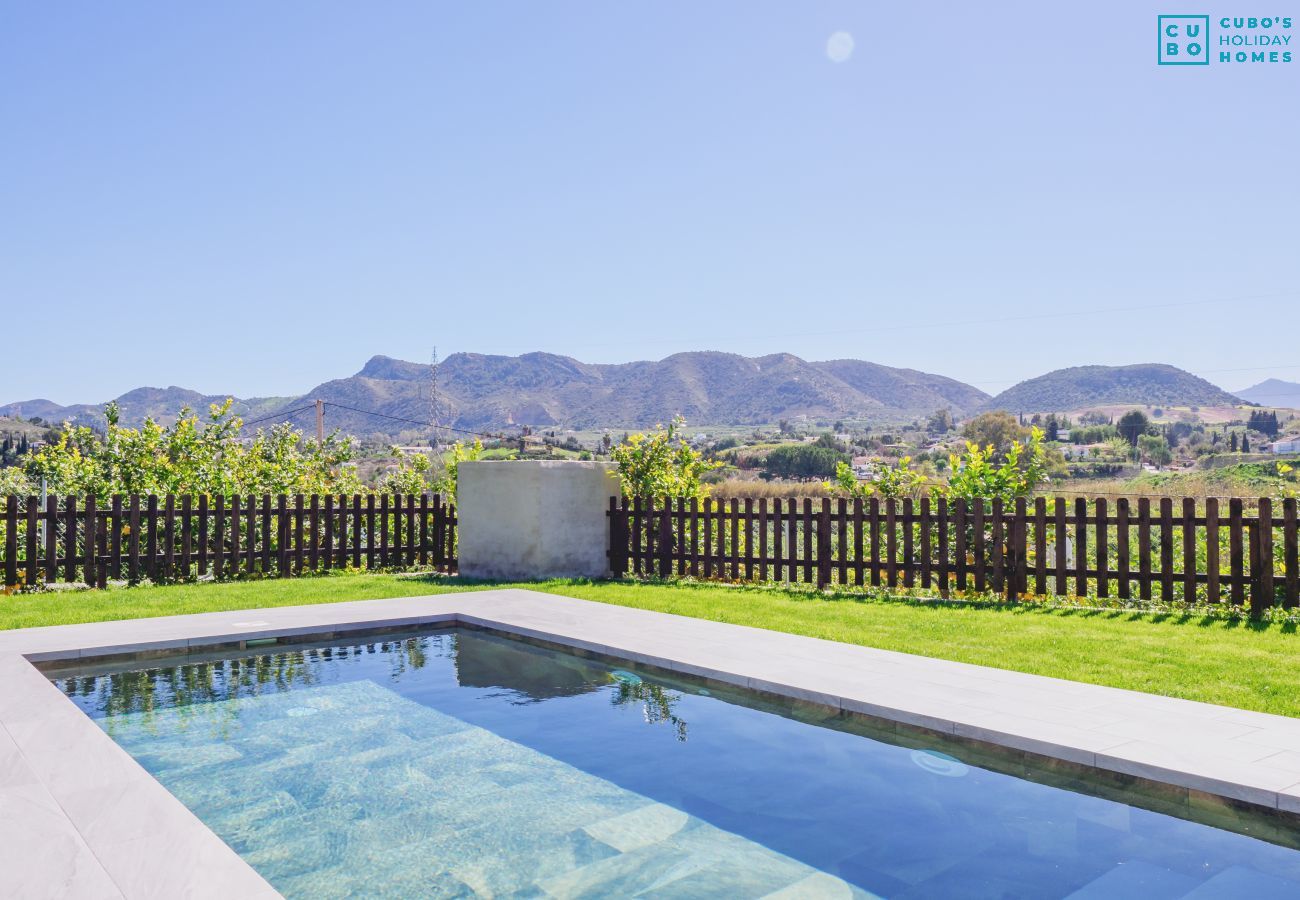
x: 1186, y: 40
x: 1183, y: 40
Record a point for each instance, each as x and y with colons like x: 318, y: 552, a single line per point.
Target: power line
x: 282, y: 416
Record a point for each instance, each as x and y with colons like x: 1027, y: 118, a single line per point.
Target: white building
x: 1287, y: 445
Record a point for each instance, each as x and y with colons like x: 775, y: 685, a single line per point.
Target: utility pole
x: 320, y: 423
x: 433, y: 401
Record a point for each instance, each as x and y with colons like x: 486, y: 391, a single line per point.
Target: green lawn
x: 1236, y: 663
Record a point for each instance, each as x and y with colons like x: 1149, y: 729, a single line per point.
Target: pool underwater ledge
x: 79, y: 816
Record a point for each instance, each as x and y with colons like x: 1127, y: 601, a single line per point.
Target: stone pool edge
x: 80, y: 818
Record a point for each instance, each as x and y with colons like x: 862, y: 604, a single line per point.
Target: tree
x: 1156, y: 449
x: 1132, y: 425
x: 940, y: 421
x: 1232, y: 444
x: 997, y: 429
x: 802, y: 461
x: 661, y: 464
x: 1245, y: 443
x: 830, y: 442
x: 1053, y: 431
x: 1264, y: 422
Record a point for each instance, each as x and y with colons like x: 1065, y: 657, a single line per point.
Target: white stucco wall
x: 534, y: 519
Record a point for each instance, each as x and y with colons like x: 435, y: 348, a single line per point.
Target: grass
x: 1236, y: 663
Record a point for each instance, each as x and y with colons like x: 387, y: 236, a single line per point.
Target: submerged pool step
x: 374, y: 783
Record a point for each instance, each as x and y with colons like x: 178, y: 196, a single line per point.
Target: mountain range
x: 1273, y: 392
x: 1151, y: 384
x: 482, y: 392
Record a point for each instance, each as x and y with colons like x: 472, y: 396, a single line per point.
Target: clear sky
x: 255, y: 197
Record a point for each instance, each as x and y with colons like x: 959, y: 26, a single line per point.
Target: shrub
x: 977, y: 476
x: 661, y: 464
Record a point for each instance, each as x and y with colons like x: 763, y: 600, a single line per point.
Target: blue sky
x: 255, y: 197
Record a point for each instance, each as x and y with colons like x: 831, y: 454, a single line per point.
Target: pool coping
x: 80, y: 818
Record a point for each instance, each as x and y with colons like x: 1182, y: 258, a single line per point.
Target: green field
x: 1236, y: 663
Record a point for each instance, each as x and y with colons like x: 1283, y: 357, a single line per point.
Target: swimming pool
x: 464, y: 762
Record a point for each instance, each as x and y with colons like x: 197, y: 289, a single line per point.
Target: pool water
x: 464, y: 763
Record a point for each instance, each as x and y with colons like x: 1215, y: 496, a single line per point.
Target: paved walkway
x: 79, y: 818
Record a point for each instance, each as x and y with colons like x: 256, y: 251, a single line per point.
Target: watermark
x: 1183, y: 40
x: 1197, y: 40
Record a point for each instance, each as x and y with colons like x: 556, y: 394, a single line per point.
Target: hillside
x: 1149, y: 384
x: 1273, y: 392
x: 479, y: 391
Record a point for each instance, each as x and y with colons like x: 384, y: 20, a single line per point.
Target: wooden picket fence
x: 180, y: 538
x: 1088, y: 548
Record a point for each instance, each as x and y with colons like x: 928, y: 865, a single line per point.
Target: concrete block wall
x: 533, y: 519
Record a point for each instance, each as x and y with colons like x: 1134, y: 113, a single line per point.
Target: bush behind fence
x: 1155, y: 552
x: 181, y: 538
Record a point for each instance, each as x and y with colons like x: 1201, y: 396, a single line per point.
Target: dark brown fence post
x: 1102, y: 532
x: 1290, y: 553
x: 1189, y: 550
x: 201, y: 567
x: 91, y: 539
x: 270, y: 537
x: 219, y: 538
x: 1236, y: 552
x: 439, y: 526
x: 735, y: 539
x: 908, y: 561
x: 749, y: 538
x: 422, y: 551
x: 1121, y: 547
x: 959, y: 538
x: 926, y: 524
x: 169, y: 537
x: 235, y: 554
x: 997, y: 538
x: 1261, y: 597
x: 617, y: 552
x: 778, y: 540
x: 282, y: 532
x: 70, y: 538
x: 891, y: 542
x: 664, y: 542
x: 298, y: 522
x: 1017, y: 582
x: 51, y: 538
x: 187, y: 535
x: 33, y: 542
x: 1080, y: 547
x: 943, y: 568
x: 1212, y: 593
x: 824, y: 545
x: 1166, y: 549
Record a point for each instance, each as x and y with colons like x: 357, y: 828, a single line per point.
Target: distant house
x: 1063, y: 434
x: 1287, y: 445
x: 864, y: 468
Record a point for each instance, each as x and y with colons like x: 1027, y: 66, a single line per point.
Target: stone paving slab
x: 80, y: 818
